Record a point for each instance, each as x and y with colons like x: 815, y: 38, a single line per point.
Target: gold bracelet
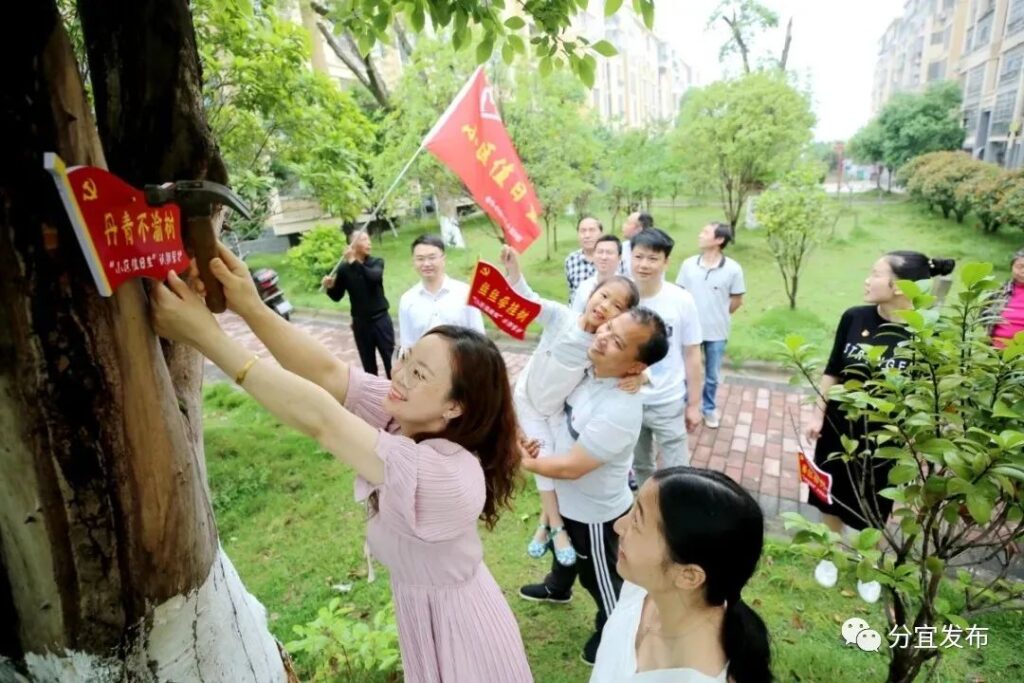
x: 240, y: 377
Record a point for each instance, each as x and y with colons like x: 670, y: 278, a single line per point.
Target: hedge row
x: 957, y: 185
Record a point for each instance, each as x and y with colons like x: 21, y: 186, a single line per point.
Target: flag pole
x: 437, y: 126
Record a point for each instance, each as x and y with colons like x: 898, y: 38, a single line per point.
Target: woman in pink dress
x: 1006, y: 315
x: 435, y: 450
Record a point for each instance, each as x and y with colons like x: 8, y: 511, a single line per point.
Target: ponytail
x: 745, y: 641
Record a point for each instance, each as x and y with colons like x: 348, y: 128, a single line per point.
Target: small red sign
x: 817, y: 480
x: 491, y: 293
x: 121, y: 235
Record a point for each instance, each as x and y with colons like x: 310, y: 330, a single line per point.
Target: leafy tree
x: 916, y: 123
x: 746, y: 19
x: 556, y: 137
x: 369, y: 22
x: 266, y: 106
x: 950, y: 424
x: 743, y: 135
x: 793, y: 218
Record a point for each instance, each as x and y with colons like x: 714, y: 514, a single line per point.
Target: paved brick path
x: 755, y: 444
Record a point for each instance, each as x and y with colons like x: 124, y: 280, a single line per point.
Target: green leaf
x: 417, y: 18
x: 1010, y: 471
x: 515, y: 23
x: 485, y: 48
x: 604, y: 48
x: 903, y: 472
x: 611, y: 7
x: 958, y: 486
x: 867, y: 539
x: 910, y: 289
x: 980, y: 507
x: 587, y: 70
x: 647, y: 8
x: 935, y: 565
x: 517, y: 43
x: 974, y: 273
x: 545, y: 67
x: 508, y: 55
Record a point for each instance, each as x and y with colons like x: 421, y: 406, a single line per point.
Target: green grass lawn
x: 288, y: 521
x: 832, y: 281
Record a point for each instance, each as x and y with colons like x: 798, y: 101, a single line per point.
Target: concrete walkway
x: 756, y: 443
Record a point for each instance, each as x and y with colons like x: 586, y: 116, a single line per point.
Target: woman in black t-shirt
x: 878, y: 325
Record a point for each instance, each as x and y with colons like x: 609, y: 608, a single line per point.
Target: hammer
x: 197, y: 199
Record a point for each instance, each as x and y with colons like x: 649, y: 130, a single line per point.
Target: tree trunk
x: 108, y: 544
x: 785, y: 48
x: 794, y: 282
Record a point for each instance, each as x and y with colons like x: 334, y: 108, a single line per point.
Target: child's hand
x: 510, y: 260
x: 632, y: 383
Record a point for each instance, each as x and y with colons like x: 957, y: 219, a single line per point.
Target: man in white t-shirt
x: 591, y: 461
x: 607, y: 252
x: 635, y: 222
x: 672, y: 400
x: 716, y: 284
x: 436, y: 300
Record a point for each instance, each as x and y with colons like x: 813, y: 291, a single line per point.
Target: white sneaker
x: 826, y: 573
x: 711, y: 420
x: 870, y: 591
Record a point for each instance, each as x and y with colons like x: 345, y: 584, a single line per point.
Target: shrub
x: 342, y: 646
x: 317, y: 254
x: 942, y: 178
x: 982, y: 193
x: 1010, y: 209
x: 952, y: 425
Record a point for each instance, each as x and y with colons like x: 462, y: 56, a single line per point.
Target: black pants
x: 597, y: 551
x: 373, y: 335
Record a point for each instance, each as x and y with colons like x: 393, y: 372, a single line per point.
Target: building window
x: 1010, y: 70
x: 975, y: 80
x: 938, y: 37
x: 970, y: 117
x: 936, y: 71
x: 983, y: 31
x: 1015, y: 17
x: 1002, y: 112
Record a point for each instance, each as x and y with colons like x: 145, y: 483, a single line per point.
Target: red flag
x: 122, y: 236
x: 817, y: 480
x: 491, y: 293
x: 471, y: 140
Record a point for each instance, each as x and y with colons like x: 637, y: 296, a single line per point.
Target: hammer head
x: 196, y: 197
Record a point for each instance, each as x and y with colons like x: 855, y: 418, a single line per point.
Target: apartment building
x: 645, y: 82
x: 980, y: 44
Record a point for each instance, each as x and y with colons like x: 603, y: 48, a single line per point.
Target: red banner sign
x: 471, y: 140
x: 121, y: 235
x: 491, y: 293
x: 817, y: 480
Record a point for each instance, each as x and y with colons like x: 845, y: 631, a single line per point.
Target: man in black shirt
x: 362, y: 276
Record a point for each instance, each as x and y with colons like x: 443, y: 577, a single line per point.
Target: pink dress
x: 454, y: 624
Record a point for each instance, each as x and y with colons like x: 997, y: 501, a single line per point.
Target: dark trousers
x: 373, y: 335
x: 597, y: 551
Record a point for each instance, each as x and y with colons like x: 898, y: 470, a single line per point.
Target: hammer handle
x: 204, y: 245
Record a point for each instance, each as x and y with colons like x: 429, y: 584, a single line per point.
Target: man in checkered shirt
x: 579, y: 265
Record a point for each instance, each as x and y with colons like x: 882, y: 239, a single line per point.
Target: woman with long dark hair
x: 435, y: 449
x: 686, y: 550
x: 856, y: 484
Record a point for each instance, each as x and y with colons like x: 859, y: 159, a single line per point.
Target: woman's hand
x: 234, y: 276
x: 529, y: 449
x: 510, y: 260
x: 177, y: 313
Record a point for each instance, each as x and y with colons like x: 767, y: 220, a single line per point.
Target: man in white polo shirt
x: 716, y: 284
x: 591, y: 462
x: 672, y: 400
x: 436, y: 300
x: 607, y: 252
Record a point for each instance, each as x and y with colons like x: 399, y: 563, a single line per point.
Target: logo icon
x: 857, y: 632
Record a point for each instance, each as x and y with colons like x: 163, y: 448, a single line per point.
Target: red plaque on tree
x: 491, y: 293
x: 121, y: 235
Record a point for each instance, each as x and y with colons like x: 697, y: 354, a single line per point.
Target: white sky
x: 835, y: 44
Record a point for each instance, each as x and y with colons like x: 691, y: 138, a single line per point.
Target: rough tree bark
x: 108, y: 547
